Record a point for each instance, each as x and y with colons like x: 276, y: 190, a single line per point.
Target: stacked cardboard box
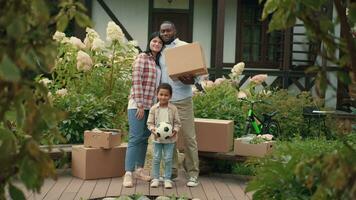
x: 255, y: 150
x: 185, y: 60
x: 212, y: 135
x: 101, y: 156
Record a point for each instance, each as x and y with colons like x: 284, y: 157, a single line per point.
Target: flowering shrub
x: 91, y: 81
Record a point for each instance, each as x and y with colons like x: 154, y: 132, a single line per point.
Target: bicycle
x: 267, y: 125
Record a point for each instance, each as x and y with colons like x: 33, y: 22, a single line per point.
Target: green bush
x: 220, y: 102
x: 290, y: 112
x: 284, y: 174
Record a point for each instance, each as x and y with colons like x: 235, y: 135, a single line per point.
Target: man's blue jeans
x: 167, y: 150
x: 138, y: 140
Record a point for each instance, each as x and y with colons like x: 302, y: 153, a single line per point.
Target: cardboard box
x: 184, y: 60
x: 255, y: 150
x: 212, y: 135
x: 102, y: 139
x: 95, y: 163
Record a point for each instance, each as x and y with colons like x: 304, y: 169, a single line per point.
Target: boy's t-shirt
x: 162, y: 115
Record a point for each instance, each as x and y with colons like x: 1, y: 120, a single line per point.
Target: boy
x: 163, y: 111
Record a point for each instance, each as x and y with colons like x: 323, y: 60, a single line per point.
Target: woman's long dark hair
x: 148, y: 49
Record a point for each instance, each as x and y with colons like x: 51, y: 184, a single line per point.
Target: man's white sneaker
x: 193, y: 182
x: 154, y: 183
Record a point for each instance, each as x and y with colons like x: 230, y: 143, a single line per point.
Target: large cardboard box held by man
x: 102, y: 139
x: 212, y: 135
x: 184, y: 60
x: 95, y: 163
x: 255, y: 150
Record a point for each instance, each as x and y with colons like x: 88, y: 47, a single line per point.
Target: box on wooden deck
x: 102, y: 139
x: 212, y: 135
x: 95, y: 163
x: 184, y: 60
x: 255, y: 150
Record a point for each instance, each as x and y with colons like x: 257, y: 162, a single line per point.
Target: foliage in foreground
x: 310, y: 169
x: 27, y: 50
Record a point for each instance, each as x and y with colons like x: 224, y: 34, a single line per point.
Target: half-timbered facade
x: 229, y: 31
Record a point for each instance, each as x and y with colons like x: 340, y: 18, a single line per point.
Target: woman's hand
x: 140, y: 113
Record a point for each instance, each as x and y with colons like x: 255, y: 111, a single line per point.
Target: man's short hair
x: 170, y: 23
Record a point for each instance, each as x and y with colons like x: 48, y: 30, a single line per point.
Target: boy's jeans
x: 167, y: 149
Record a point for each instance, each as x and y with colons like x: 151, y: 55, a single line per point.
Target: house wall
x: 230, y: 31
x: 132, y: 14
x: 202, y: 25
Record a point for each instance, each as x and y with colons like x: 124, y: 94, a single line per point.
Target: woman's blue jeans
x: 138, y: 140
x: 167, y: 150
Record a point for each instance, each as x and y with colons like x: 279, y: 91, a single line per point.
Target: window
x: 255, y: 46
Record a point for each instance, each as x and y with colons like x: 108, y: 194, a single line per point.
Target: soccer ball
x: 164, y: 130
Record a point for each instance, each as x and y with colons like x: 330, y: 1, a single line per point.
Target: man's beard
x: 170, y: 40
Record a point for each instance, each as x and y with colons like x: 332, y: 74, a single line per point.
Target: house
x: 229, y: 31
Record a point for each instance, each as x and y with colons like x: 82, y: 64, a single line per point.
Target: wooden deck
x: 210, y: 188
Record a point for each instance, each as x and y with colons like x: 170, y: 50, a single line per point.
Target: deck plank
x: 86, y: 189
x: 101, y: 188
x: 115, y: 187
x: 249, y: 194
x: 71, y: 191
x: 56, y: 191
x: 182, y: 189
x: 236, y: 190
x: 209, y: 188
x: 223, y: 189
x: 142, y: 187
x: 47, y: 186
x: 170, y: 192
x: 198, y: 192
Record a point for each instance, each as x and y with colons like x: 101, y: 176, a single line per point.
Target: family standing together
x: 156, y: 98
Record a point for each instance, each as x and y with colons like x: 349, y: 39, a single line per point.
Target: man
x: 182, y: 99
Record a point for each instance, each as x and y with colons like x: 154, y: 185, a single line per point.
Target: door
x: 180, y: 20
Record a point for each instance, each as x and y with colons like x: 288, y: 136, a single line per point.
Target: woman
x: 146, y: 77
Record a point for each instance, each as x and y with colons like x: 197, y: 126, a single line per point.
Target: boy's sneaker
x: 154, y: 183
x: 139, y: 174
x: 193, y: 181
x: 127, y: 180
x: 168, y: 184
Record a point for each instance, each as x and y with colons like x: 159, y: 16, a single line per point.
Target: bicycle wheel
x: 273, y: 129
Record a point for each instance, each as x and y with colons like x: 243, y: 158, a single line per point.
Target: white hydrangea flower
x: 76, y: 42
x: 98, y: 44
x: 62, y: 92
x: 133, y: 43
x: 90, y: 36
x: 58, y: 36
x: 45, y: 81
x: 84, y: 62
x: 114, y: 32
x: 238, y: 68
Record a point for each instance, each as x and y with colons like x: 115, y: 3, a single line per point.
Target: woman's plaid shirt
x: 143, y: 80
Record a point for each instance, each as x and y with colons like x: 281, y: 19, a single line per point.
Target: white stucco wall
x: 132, y: 14
x: 230, y: 31
x: 202, y: 26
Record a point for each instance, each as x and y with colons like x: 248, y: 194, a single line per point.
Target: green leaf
x: 16, y: 193
x: 7, y: 144
x: 8, y: 70
x: 352, y: 13
x: 17, y: 27
x: 82, y: 19
x: 62, y: 22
